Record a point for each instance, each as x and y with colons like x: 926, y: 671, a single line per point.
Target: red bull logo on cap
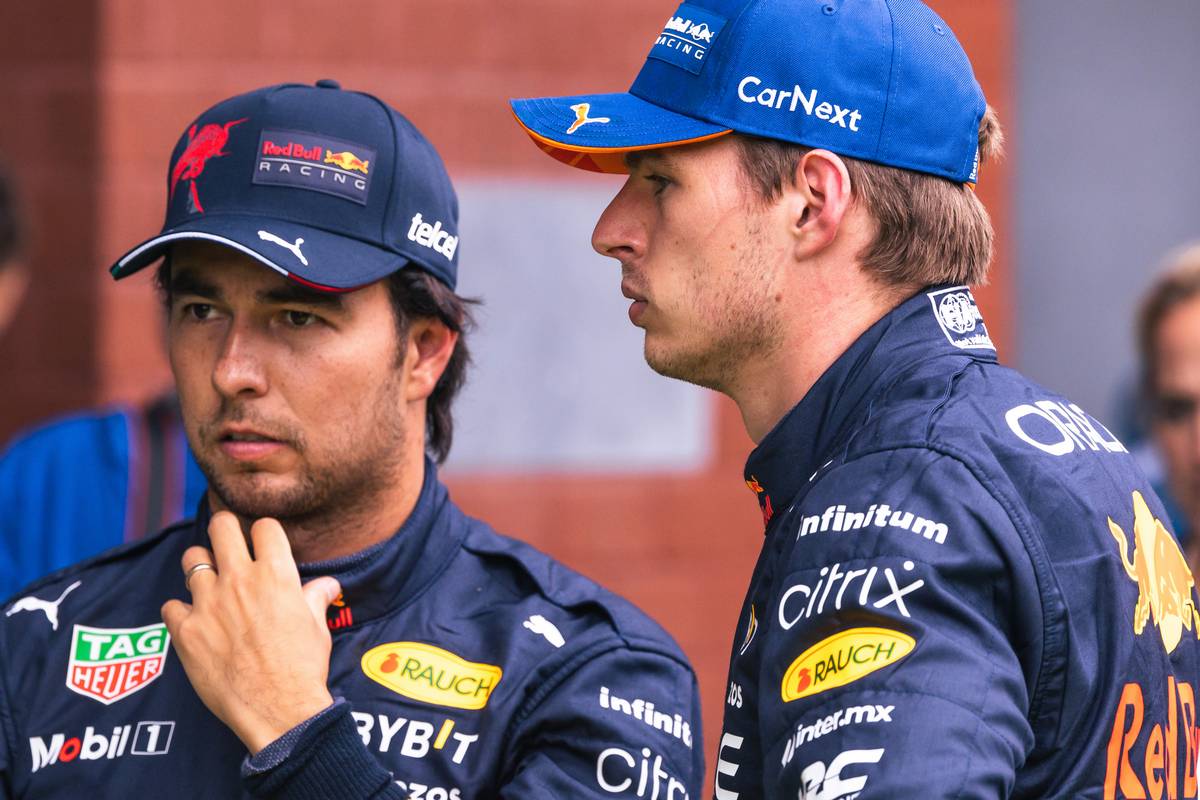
x: 314, y: 162
x: 699, y: 31
x: 687, y: 37
x: 348, y: 161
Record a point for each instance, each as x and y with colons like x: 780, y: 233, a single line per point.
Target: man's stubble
x: 737, y: 324
x: 360, y: 463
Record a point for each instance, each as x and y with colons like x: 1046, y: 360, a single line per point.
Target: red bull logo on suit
x: 1165, y: 583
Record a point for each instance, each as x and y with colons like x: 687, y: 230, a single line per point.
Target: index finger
x: 228, y: 542
x: 271, y: 545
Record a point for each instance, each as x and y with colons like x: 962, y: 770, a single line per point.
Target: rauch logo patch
x: 687, y: 37
x: 317, y: 163
x: 843, y: 658
x: 109, y: 664
x: 432, y: 675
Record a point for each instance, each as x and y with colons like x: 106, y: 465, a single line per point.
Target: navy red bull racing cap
x: 877, y: 80
x: 331, y: 188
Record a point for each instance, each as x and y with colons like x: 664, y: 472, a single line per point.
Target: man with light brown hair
x: 1169, y: 344
x: 964, y: 589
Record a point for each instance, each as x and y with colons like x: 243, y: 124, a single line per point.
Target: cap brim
x: 595, y: 132
x: 310, y: 256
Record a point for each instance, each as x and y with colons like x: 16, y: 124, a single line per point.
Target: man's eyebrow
x: 187, y: 282
x: 636, y: 158
x: 302, y: 295
x: 651, y: 159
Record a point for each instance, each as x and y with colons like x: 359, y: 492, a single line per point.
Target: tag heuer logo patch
x: 109, y: 664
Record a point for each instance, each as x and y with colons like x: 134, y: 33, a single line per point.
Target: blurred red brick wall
x: 95, y: 104
x: 986, y: 30
x: 49, y: 140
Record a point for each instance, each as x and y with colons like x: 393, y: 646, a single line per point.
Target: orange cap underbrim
x: 609, y: 160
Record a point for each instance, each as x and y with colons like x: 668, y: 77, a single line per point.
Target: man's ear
x: 429, y: 347
x: 817, y: 201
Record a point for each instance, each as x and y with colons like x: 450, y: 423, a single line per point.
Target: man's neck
x: 830, y: 318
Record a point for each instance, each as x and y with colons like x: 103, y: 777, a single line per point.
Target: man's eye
x: 1174, y: 409
x: 198, y: 310
x: 660, y: 182
x: 300, y: 319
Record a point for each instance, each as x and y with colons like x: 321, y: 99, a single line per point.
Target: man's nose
x: 620, y: 233
x: 239, y: 368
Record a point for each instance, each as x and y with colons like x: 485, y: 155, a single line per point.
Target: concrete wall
x: 1108, y: 179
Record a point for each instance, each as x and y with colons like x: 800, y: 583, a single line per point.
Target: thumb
x: 319, y: 593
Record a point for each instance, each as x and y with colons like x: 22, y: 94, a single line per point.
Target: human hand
x: 253, y: 642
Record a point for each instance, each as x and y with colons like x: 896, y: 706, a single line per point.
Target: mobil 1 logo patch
x: 687, y: 37
x: 150, y: 738
x: 314, y: 162
x: 958, y: 316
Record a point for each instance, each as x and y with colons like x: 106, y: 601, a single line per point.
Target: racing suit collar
x: 937, y: 322
x: 388, y: 575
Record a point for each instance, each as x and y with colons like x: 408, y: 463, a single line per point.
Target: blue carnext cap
x: 878, y: 80
x: 331, y: 188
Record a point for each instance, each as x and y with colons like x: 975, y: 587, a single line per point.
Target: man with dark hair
x: 965, y: 589
x: 332, y: 625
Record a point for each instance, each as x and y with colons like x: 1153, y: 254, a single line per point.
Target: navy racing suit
x: 966, y: 590
x: 466, y: 665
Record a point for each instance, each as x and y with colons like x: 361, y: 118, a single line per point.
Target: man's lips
x: 638, y: 307
x: 247, y: 444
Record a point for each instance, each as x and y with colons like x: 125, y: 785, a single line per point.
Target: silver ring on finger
x: 191, y: 573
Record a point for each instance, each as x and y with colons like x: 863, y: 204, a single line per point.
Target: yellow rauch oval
x: 843, y: 658
x: 430, y: 674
